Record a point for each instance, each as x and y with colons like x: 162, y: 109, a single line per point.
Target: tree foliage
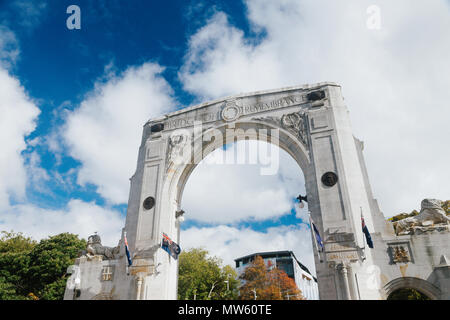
x: 31, y: 270
x: 407, y: 294
x: 202, y: 277
x: 267, y: 283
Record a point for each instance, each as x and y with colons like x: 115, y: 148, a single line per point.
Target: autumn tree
x: 202, y: 277
x: 265, y: 284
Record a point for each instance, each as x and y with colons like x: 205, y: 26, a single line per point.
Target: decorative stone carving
x: 296, y: 123
x: 431, y: 218
x: 177, y: 143
x: 400, y: 252
x: 107, y: 273
x: 94, y: 248
x: 231, y: 111
x: 329, y: 179
x: 148, y: 203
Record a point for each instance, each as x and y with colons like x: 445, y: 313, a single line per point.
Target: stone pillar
x: 343, y: 270
x: 138, y: 287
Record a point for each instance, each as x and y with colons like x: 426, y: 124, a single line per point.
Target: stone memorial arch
x: 309, y: 122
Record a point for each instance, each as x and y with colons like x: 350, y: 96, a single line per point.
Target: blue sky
x: 74, y: 101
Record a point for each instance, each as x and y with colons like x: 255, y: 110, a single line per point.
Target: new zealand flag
x: 366, y: 232
x: 172, y: 248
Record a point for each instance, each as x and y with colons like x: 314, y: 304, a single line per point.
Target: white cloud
x: 227, y: 193
x: 104, y: 133
x: 395, y: 80
x: 37, y: 176
x: 230, y: 243
x: 9, y: 48
x: 82, y: 218
x: 18, y: 116
x: 18, y: 119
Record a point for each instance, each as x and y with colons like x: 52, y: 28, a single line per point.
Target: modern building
x: 286, y: 261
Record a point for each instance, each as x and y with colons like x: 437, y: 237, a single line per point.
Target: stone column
x: 139, y: 288
x: 346, y: 289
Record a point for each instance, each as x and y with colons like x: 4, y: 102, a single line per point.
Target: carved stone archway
x: 312, y: 124
x: 418, y: 284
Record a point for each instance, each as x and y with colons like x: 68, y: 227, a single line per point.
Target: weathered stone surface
x: 431, y: 218
x: 95, y: 249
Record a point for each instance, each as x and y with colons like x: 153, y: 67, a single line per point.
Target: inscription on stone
x: 274, y: 104
x: 189, y: 121
x: 234, y: 109
x: 340, y: 247
x: 342, y: 256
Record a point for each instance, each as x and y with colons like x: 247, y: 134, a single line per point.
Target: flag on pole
x: 366, y: 232
x: 127, y: 251
x: 317, y: 234
x: 172, y: 248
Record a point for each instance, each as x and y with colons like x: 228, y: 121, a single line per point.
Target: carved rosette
x: 231, y: 111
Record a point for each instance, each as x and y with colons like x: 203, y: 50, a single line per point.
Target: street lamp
x: 254, y: 292
x: 179, y: 215
x: 300, y: 199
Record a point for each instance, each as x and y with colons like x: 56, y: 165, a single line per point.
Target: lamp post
x: 300, y: 199
x: 254, y: 292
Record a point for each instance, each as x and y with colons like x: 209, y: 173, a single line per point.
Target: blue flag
x: 367, y: 233
x: 172, y: 248
x: 127, y: 251
x: 317, y: 234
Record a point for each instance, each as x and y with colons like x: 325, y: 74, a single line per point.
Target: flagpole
x: 314, y: 237
x: 127, y: 268
x: 362, y: 217
x: 363, y: 236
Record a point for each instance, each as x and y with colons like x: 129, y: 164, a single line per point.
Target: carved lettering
x: 275, y: 104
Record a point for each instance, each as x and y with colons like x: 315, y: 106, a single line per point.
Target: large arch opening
x: 232, y: 210
x: 411, y: 288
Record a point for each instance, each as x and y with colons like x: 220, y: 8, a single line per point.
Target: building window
x: 107, y: 273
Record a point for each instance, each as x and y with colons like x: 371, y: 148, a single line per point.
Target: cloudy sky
x: 73, y: 102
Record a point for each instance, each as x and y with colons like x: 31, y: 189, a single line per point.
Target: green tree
x: 14, y: 265
x: 30, y: 270
x: 202, y: 277
x: 48, y: 264
x: 407, y: 294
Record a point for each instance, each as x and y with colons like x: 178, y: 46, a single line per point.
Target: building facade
x: 286, y: 261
